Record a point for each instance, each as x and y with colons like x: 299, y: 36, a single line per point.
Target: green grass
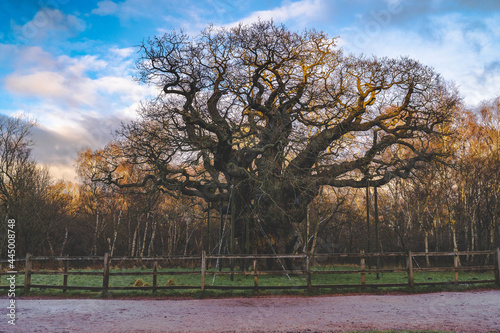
x: 248, y: 281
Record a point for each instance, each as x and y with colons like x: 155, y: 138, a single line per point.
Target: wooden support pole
x: 255, y: 278
x: 155, y: 276
x: 497, y: 271
x: 221, y: 229
x: 377, y: 224
x: 231, y: 241
x: 208, y: 227
x: 105, y: 275
x: 27, y: 273
x: 203, y: 268
x: 455, y: 265
x: 363, y: 267
x: 247, y: 239
x: 308, y: 217
x: 411, y: 281
x: 308, y: 269
x: 65, y: 276
x: 368, y: 234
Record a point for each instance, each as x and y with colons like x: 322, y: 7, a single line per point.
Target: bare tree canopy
x: 15, y: 149
x: 267, y: 116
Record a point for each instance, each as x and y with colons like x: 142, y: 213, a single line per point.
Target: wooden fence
x: 305, y: 270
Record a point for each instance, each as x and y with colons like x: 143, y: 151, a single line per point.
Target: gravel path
x: 477, y: 311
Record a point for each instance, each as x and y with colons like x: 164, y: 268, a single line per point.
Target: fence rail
x: 307, y: 272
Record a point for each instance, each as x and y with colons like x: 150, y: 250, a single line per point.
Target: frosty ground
x: 476, y: 311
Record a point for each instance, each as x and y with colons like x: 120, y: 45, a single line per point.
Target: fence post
x: 411, y: 281
x: 155, y: 280
x: 105, y: 275
x: 363, y: 267
x: 255, y: 278
x: 27, y: 273
x: 497, y: 271
x: 65, y: 276
x: 203, y: 264
x: 455, y: 265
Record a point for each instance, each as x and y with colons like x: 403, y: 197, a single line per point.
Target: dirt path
x: 459, y: 312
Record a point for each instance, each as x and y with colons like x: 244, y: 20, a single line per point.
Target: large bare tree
x: 259, y: 117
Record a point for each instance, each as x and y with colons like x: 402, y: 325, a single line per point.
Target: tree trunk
x: 187, y: 237
x: 134, y: 239
x: 473, y: 235
x: 96, y: 232
x: 64, y: 241
x: 315, y: 221
x: 454, y: 235
x: 467, y: 241
x: 115, y: 233
x: 129, y: 235
x: 494, y: 221
x: 170, y: 239
x: 151, y: 242
x: 427, y: 263
x: 437, y: 222
x: 143, y: 246
x: 162, y: 239
x: 51, y: 248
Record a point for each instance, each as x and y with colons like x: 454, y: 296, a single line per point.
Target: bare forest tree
x: 27, y: 194
x: 15, y: 149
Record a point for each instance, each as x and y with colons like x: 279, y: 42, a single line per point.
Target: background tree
x: 478, y: 183
x: 266, y: 117
x: 15, y: 149
x: 27, y: 193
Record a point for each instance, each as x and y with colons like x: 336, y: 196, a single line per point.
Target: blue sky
x: 69, y: 63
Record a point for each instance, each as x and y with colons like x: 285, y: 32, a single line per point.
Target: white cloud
x: 127, y: 89
x: 105, y: 7
x: 64, y: 88
x: 25, y: 58
x: 57, y: 146
x: 458, y: 47
x: 49, y: 23
x: 300, y: 11
x: 63, y: 172
x: 69, y: 81
x: 79, y: 100
x: 47, y: 84
x: 132, y: 9
x: 8, y: 52
x: 195, y: 16
x: 123, y: 52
